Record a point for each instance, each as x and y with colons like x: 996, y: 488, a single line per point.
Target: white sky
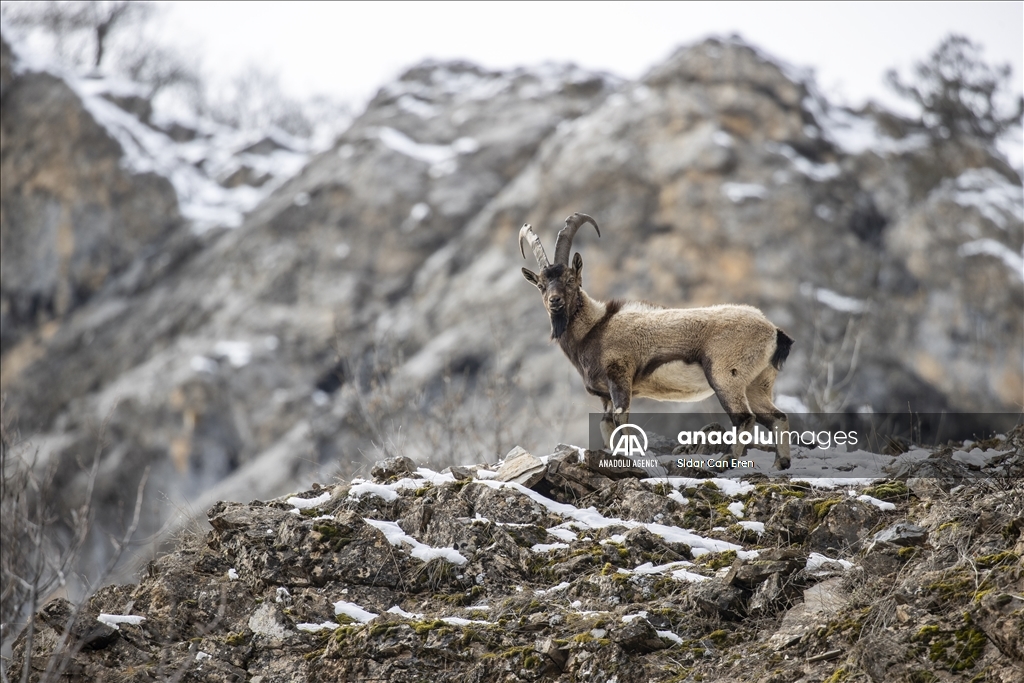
x: 349, y: 49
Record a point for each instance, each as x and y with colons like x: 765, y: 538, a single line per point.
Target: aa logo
x: 625, y: 440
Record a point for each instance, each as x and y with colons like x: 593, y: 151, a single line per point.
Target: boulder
x: 637, y: 635
x: 775, y: 561
x: 392, y: 467
x: 903, y: 534
x: 716, y: 598
x: 844, y: 527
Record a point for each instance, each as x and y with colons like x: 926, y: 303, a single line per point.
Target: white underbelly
x: 675, y: 381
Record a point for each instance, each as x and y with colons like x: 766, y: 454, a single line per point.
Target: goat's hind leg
x: 732, y: 395
x: 760, y: 394
x: 780, y: 425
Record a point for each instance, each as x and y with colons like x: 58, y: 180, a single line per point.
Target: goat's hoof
x: 782, y: 464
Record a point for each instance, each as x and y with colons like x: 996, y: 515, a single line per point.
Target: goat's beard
x: 559, y: 322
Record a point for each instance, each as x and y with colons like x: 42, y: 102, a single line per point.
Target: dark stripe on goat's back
x: 656, y: 362
x: 611, y: 308
x: 597, y: 331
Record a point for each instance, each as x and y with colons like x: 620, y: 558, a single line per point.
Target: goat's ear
x: 531, y: 277
x: 577, y: 264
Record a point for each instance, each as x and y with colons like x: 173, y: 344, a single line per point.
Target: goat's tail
x: 783, y: 343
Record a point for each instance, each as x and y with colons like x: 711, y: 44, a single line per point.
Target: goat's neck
x: 588, y: 313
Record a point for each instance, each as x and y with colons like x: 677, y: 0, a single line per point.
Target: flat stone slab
x: 820, y: 602
x: 522, y: 468
x: 827, y: 597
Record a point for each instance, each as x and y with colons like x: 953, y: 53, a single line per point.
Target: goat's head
x: 560, y: 285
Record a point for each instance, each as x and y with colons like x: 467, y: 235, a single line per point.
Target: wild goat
x: 633, y: 348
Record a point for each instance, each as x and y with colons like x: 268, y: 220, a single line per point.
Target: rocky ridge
x: 549, y: 569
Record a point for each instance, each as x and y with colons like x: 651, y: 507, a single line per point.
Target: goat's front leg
x: 607, y: 421
x: 620, y: 386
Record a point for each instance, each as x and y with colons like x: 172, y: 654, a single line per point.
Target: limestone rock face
x: 72, y: 216
x: 372, y: 306
x: 714, y: 181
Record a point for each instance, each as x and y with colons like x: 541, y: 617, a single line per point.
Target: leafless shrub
x: 834, y: 365
x: 161, y: 69
x: 42, y: 545
x: 470, y: 413
x: 960, y: 94
x: 116, y: 37
x: 80, y: 28
x: 255, y: 99
x: 373, y: 404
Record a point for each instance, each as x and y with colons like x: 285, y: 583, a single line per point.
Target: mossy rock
x: 236, y: 639
x: 907, y: 554
x: 955, y: 651
x: 343, y: 633
x: 889, y: 490
x: 473, y: 635
x: 718, y: 560
x: 382, y: 629
x: 422, y: 628
x: 852, y: 623
x: 958, y: 587
x: 839, y: 675
x: 721, y: 637
x: 784, y: 490
x: 997, y: 559
x: 461, y: 599
x: 823, y: 507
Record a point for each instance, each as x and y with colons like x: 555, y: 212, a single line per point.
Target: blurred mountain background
x: 226, y: 295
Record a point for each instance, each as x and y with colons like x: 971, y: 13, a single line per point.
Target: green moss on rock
x: 839, y: 675
x: 889, y: 490
x: 989, y: 561
x: 718, y: 560
x: 822, y: 507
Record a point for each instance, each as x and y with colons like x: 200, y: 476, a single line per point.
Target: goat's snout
x: 555, y: 301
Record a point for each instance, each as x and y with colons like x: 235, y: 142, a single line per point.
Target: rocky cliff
x: 551, y: 569
x: 71, y: 217
x: 371, y: 303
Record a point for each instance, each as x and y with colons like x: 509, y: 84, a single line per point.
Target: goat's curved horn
x: 563, y: 245
x: 526, y: 233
